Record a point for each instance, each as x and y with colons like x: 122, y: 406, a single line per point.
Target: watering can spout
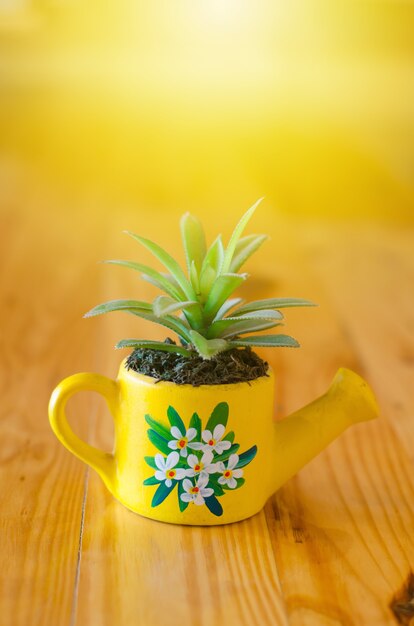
x: 302, y: 435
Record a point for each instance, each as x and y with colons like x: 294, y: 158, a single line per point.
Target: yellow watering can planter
x: 206, y: 455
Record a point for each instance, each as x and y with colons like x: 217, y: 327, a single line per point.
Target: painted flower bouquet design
x: 202, y: 463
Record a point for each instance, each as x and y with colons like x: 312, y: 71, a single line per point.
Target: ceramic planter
x: 210, y: 454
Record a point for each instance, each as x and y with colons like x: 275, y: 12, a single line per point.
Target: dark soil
x: 234, y: 366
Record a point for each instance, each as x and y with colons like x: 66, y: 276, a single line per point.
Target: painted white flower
x: 182, y: 441
x: 212, y: 440
x: 202, y: 467
x: 166, y: 468
x: 196, y: 493
x: 228, y: 473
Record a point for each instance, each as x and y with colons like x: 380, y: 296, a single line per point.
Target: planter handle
x: 102, y: 462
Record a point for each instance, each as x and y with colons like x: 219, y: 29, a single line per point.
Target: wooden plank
x: 342, y: 530
x: 44, y: 289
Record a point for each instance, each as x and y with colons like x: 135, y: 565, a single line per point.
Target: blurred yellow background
x: 201, y: 104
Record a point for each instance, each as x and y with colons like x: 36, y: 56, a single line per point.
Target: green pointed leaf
x: 227, y: 453
x: 151, y: 481
x: 214, y: 506
x: 181, y: 490
x: 159, y: 428
x: 194, y: 278
x: 228, y: 255
x: 176, y: 291
x: 194, y: 240
x: 157, y: 278
x: 229, y: 437
x: 229, y: 328
x: 271, y: 303
x: 119, y: 305
x: 207, y: 348
x: 214, y: 256
x: 207, y: 279
x: 245, y: 247
x: 225, y: 308
x: 214, y: 484
x: 246, y: 457
x: 168, y: 262
x: 267, y: 341
x: 150, y: 461
x: 219, y: 415
x: 222, y: 288
x: 162, y: 492
x: 195, y: 422
x: 152, y: 345
x: 164, y: 305
x: 175, y: 420
x: 264, y: 314
x: 159, y: 442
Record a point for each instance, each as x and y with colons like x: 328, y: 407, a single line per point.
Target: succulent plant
x: 198, y: 306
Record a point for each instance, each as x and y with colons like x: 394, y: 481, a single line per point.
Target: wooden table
x: 334, y: 546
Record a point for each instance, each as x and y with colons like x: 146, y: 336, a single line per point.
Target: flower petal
x: 232, y: 483
x: 159, y: 461
x: 176, y: 432
x: 183, y: 451
x: 222, y: 480
x: 202, y: 481
x: 191, y: 433
x: 221, y: 446
x: 211, y: 469
x: 186, y: 497
x: 206, y: 493
x: 197, y: 445
x: 206, y: 435
x: 168, y: 482
x: 207, y: 457
x: 190, y: 472
x: 233, y: 460
x: 237, y: 473
x: 172, y: 459
x: 180, y: 474
x: 220, y: 466
x: 172, y: 444
x: 199, y: 499
x: 187, y: 484
x: 219, y: 431
x: 160, y: 475
x: 192, y: 460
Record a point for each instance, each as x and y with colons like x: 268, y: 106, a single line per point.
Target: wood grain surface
x: 335, y: 546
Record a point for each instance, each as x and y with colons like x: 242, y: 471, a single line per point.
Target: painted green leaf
x: 175, y: 420
x: 226, y: 454
x: 231, y: 247
x: 151, y: 481
x: 181, y: 504
x: 195, y: 422
x: 168, y: 261
x: 246, y: 457
x: 162, y: 492
x: 153, y: 345
x: 150, y: 461
x: 219, y: 415
x: 245, y: 247
x: 194, y: 240
x: 214, y: 506
x: 214, y: 484
x: 159, y: 279
x: 273, y: 341
x: 207, y: 348
x: 272, y: 303
x: 222, y: 289
x: 159, y: 442
x: 229, y: 437
x: 159, y: 428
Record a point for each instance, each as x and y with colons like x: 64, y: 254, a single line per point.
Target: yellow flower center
x: 194, y: 490
x: 171, y: 473
x: 182, y: 442
x: 211, y: 442
x: 228, y: 474
x: 198, y: 467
